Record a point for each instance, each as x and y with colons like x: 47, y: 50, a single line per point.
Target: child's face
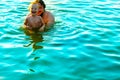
x: 34, y: 8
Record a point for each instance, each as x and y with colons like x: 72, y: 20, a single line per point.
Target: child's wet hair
x: 31, y: 5
x: 41, y: 2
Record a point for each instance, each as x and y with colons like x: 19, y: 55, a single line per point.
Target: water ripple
x: 82, y: 45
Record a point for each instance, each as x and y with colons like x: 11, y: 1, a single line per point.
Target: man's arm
x: 51, y: 21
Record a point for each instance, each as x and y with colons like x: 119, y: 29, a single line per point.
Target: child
x: 32, y: 21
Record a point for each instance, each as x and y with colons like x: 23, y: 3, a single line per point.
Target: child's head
x: 34, y: 7
x: 42, y: 6
x: 40, y: 2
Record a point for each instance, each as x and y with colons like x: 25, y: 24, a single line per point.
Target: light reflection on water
x: 82, y: 45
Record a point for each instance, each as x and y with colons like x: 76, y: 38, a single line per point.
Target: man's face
x: 41, y: 9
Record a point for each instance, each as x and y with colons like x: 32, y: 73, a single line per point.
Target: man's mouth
x: 39, y: 11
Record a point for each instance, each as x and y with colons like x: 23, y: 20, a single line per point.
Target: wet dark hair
x: 42, y: 3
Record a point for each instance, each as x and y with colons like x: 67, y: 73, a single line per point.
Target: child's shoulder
x: 39, y: 17
x: 28, y: 15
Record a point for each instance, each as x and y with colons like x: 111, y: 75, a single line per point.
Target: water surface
x: 83, y: 45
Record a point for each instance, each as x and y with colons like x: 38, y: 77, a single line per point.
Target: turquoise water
x: 83, y: 45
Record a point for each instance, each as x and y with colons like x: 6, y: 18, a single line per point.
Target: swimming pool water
x: 84, y: 43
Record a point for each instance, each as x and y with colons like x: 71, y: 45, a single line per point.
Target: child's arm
x: 43, y: 25
x: 26, y: 21
x: 26, y: 24
x: 42, y: 28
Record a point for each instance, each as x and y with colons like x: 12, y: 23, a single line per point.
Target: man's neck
x: 42, y: 14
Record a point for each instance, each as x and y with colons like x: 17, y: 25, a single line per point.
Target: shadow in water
x: 35, y: 38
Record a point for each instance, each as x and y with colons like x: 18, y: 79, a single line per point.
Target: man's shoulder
x: 48, y: 12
